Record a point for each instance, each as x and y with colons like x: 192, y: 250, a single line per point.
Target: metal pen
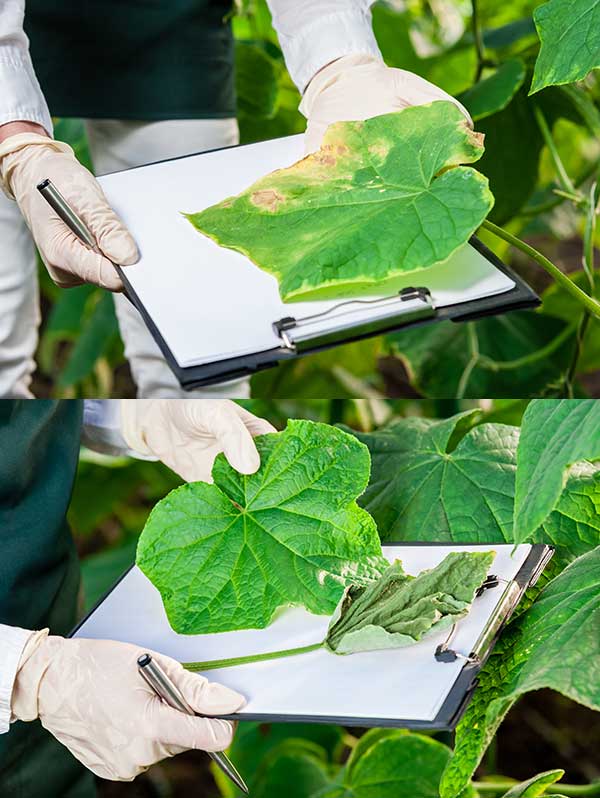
x: 170, y: 694
x: 62, y: 208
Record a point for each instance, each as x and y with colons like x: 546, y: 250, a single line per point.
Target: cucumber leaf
x: 570, y: 41
x: 381, y: 198
x: 398, y: 609
x: 226, y: 556
x: 450, y: 481
x: 493, y: 94
x: 554, y: 644
x: 555, y: 434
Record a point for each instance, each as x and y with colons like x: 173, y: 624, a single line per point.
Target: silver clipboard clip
x: 409, y: 304
x: 507, y: 603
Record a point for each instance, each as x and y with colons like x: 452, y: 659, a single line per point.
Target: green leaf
x: 295, y: 768
x: 536, y: 786
x: 511, y: 166
x: 398, y: 764
x: 226, y: 556
x: 495, y: 92
x: 570, y: 41
x: 378, y: 200
x: 253, y: 742
x: 554, y: 644
x: 98, y: 335
x: 441, y: 481
x: 515, y: 354
x: 398, y: 609
x: 256, y: 80
x: 555, y: 434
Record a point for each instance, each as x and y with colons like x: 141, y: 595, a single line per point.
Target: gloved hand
x: 187, y: 434
x: 90, y: 696
x: 28, y: 158
x: 359, y: 87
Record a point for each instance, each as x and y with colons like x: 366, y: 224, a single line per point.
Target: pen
x: 60, y: 205
x: 170, y: 694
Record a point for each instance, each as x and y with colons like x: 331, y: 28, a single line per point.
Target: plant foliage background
x: 539, y: 109
x: 488, y: 471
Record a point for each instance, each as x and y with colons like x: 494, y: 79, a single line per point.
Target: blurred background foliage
x: 111, y: 501
x: 527, y: 353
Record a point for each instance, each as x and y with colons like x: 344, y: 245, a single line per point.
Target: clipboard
x: 216, y: 316
x: 424, y: 686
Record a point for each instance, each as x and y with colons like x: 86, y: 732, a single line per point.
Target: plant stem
x: 212, y: 664
x: 478, y: 37
x: 563, y: 177
x: 587, y: 301
x: 495, y: 787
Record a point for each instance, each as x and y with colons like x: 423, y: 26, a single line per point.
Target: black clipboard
x: 520, y: 297
x: 470, y: 661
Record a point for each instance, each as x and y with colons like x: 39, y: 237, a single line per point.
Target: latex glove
x: 90, y: 696
x: 359, y: 87
x: 28, y: 158
x: 187, y: 434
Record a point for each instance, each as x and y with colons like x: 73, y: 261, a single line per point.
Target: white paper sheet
x: 404, y: 683
x: 211, y: 303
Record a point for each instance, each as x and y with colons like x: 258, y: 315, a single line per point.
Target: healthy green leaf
x: 441, y: 481
x: 378, y: 200
x: 554, y: 435
x: 554, y: 644
x: 570, y: 41
x: 536, y: 786
x: 256, y: 80
x: 226, y: 556
x: 296, y: 768
x: 495, y: 92
x: 502, y: 356
x: 398, y: 609
x: 396, y: 763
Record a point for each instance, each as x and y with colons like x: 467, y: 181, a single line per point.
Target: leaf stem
x: 587, y: 301
x: 478, y: 38
x: 563, y: 177
x: 212, y: 664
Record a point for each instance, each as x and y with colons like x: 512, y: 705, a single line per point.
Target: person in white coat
x: 69, y: 703
x: 152, y: 84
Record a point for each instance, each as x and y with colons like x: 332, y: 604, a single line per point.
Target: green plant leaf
x: 256, y: 80
x: 554, y: 644
x: 441, y: 481
x: 536, y: 786
x: 494, y: 93
x: 398, y: 609
x: 397, y: 763
x: 296, y: 768
x: 378, y: 200
x: 516, y: 354
x: 226, y: 556
x: 555, y: 434
x: 570, y: 41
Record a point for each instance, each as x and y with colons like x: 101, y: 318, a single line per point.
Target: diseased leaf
x: 536, y: 786
x: 226, y: 556
x: 554, y: 435
x: 378, y: 200
x: 501, y: 356
x: 570, y: 41
x: 554, y: 644
x: 398, y: 610
x: 441, y: 481
x: 493, y: 94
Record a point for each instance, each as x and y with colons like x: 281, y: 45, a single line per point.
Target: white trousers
x: 114, y: 145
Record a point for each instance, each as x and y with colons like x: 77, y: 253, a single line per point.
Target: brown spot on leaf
x: 267, y: 198
x: 379, y: 149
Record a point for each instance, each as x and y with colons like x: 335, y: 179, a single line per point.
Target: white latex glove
x: 28, y: 158
x: 187, y: 434
x: 90, y: 696
x: 359, y: 87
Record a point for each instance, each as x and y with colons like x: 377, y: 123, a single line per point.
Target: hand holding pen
x: 30, y: 159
